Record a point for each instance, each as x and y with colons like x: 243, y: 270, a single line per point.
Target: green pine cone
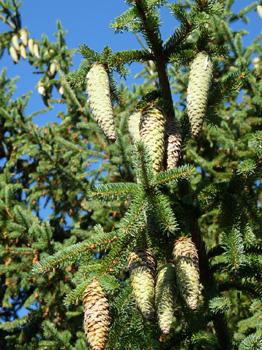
x: 165, y: 298
x: 173, y: 141
x: 133, y: 126
x: 141, y: 268
x: 187, y: 271
x: 152, y: 128
x: 199, y: 84
x: 98, y: 90
x: 96, y: 315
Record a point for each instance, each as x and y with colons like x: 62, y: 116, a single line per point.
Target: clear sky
x: 86, y: 22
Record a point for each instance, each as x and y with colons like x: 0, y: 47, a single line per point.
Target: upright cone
x: 187, y: 271
x: 165, y: 296
x: 199, y: 84
x: 173, y: 141
x: 152, y: 127
x: 98, y: 90
x: 96, y: 315
x: 141, y: 267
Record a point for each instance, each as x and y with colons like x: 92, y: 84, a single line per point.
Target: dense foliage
x: 119, y: 206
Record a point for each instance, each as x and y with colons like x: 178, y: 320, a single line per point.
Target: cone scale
x: 200, y: 78
x: 96, y: 315
x: 187, y: 271
x: 98, y: 91
x: 141, y: 268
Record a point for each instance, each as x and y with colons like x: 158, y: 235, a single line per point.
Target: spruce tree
x: 155, y: 189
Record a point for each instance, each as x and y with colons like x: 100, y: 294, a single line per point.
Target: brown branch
x: 7, y: 22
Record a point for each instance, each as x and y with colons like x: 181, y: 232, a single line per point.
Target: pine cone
x: 14, y: 54
x: 133, y: 126
x: 31, y: 46
x: 96, y: 315
x: 98, y: 90
x: 141, y: 267
x: 173, y: 142
x: 165, y: 296
x: 36, y: 51
x: 187, y: 271
x: 200, y: 79
x: 15, y: 42
x: 23, y: 36
x: 23, y: 51
x: 152, y: 127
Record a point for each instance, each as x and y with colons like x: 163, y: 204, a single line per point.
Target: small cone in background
x: 152, y: 127
x: 23, y: 51
x: 52, y: 69
x: 36, y: 51
x: 60, y: 89
x: 133, y: 126
x: 96, y: 315
x: 31, y: 46
x: 15, y: 42
x: 166, y: 294
x: 14, y: 54
x: 187, y: 271
x: 41, y: 88
x: 98, y: 91
x: 141, y: 268
x: 23, y: 36
x: 200, y: 78
x: 259, y: 10
x: 173, y: 141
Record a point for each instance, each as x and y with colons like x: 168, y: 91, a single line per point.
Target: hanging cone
x: 23, y: 51
x: 187, y: 271
x: 98, y: 91
x: 36, y: 51
x: 14, y: 54
x: 199, y: 84
x: 133, y: 126
x: 15, y: 42
x: 165, y: 296
x: 173, y: 141
x: 52, y: 69
x: 96, y: 315
x: 141, y: 268
x: 152, y: 127
x: 31, y: 46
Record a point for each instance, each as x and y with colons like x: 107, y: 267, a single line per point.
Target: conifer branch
x: 174, y: 175
x: 114, y: 191
x: 162, y: 211
x: 73, y: 252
